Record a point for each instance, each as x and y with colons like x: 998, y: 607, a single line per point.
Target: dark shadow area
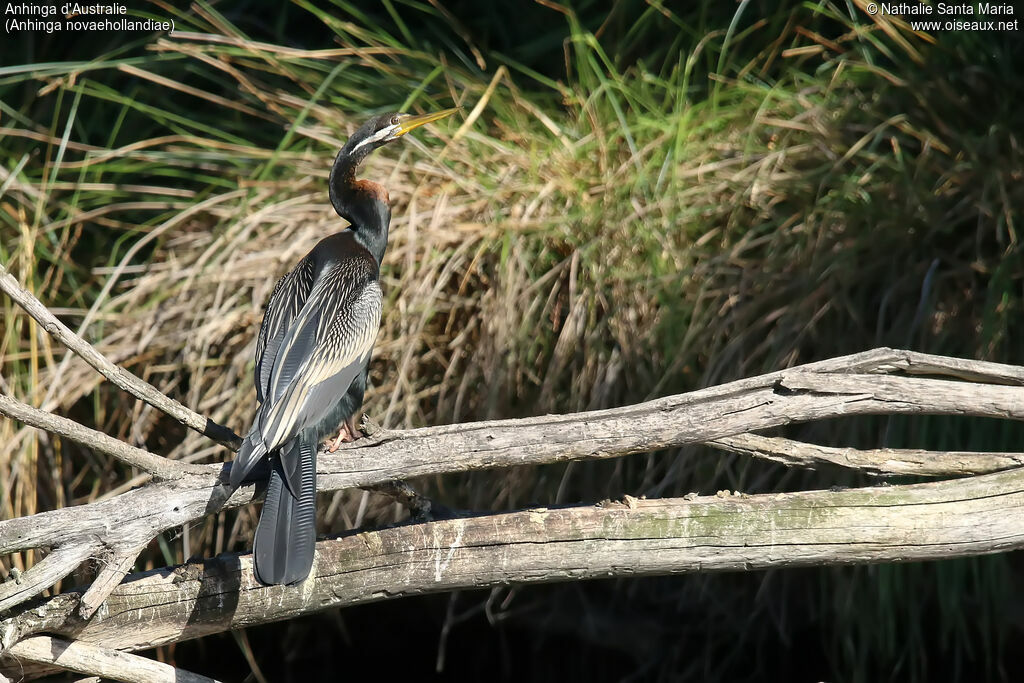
x: 653, y: 629
x: 218, y: 594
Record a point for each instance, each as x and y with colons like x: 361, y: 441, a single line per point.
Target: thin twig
x: 132, y: 384
x: 420, y: 507
x: 160, y: 468
x: 875, y: 461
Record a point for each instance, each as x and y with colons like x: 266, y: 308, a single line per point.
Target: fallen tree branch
x: 771, y: 400
x: 935, y: 520
x: 160, y: 468
x: 851, y: 385
x: 46, y: 572
x: 84, y: 658
x: 876, y: 461
x: 139, y: 388
x: 115, y: 567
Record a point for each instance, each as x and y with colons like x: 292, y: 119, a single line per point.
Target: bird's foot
x: 348, y: 433
x: 337, y: 442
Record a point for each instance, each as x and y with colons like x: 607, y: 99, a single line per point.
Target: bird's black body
x: 312, y: 356
x: 328, y: 309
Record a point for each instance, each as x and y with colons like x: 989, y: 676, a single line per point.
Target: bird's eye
x: 395, y: 119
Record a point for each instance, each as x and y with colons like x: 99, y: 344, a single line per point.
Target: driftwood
x: 85, y: 658
x: 123, y: 611
x: 632, y: 538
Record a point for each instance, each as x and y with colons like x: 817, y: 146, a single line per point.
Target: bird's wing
x: 287, y: 299
x: 326, y: 346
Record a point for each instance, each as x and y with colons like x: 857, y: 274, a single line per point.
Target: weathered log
x: 936, y: 520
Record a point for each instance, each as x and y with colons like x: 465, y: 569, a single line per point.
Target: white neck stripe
x: 376, y: 137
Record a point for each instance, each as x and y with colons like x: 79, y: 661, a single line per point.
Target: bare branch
x: 877, y: 461
x: 115, y: 568
x: 85, y: 658
x: 889, y: 361
x: 943, y: 519
x: 747, y: 405
x: 405, y: 495
x: 159, y: 467
x: 48, y: 571
x: 910, y: 394
x: 119, y: 376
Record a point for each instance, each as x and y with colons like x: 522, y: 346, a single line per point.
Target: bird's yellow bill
x: 414, y: 122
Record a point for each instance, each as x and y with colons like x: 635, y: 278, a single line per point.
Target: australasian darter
x: 313, y: 353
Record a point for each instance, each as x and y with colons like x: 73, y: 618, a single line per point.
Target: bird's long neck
x: 362, y: 203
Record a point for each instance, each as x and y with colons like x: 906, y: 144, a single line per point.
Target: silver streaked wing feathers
x: 287, y: 299
x: 326, y: 346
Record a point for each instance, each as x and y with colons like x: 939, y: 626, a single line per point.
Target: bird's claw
x: 348, y: 433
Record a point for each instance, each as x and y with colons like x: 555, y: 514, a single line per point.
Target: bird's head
x: 382, y: 129
x: 364, y: 203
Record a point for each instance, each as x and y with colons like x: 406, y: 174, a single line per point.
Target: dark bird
x: 313, y: 353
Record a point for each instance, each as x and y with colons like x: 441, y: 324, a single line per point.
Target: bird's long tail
x: 252, y: 451
x: 249, y: 456
x: 286, y: 535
